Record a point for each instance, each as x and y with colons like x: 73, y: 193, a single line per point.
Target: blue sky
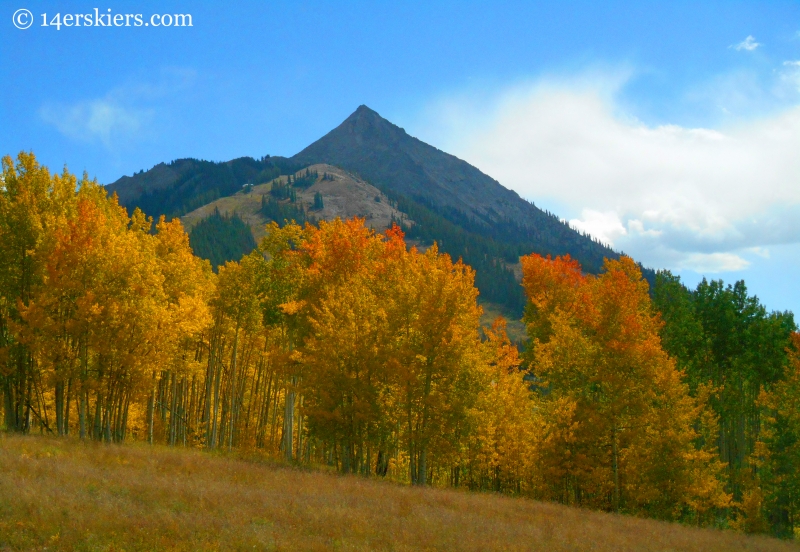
x: 670, y: 130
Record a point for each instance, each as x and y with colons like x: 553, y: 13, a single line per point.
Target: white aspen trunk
x: 217, y: 377
x: 151, y: 410
x: 66, y: 408
x: 233, y: 388
x: 208, y: 388
x: 288, y: 422
x: 82, y: 413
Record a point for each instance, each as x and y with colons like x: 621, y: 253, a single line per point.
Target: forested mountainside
x: 175, y: 188
x: 319, y: 192
x: 221, y: 238
x: 469, y: 214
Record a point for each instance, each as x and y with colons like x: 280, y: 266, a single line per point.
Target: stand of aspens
x: 336, y: 345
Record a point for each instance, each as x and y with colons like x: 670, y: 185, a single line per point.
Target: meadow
x: 65, y: 494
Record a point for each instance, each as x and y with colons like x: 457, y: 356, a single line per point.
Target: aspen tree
x: 631, y: 441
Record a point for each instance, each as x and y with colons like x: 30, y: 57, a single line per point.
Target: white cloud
x: 712, y: 263
x: 748, y: 44
x: 122, y: 114
x: 760, y: 251
x: 671, y: 196
x: 101, y: 119
x: 790, y: 77
x: 604, y: 226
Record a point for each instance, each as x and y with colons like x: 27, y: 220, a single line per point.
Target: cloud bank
x: 708, y: 200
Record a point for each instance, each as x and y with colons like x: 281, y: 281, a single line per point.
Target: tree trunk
x: 217, y: 377
x: 82, y: 412
x: 97, y: 427
x: 66, y: 409
x: 209, y: 387
x: 422, y: 470
x: 151, y: 410
x: 233, y: 388
x: 615, y: 467
x: 8, y: 396
x: 60, y: 408
x: 288, y: 422
x: 173, y: 420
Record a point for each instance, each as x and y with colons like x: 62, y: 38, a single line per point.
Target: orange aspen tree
x: 624, y: 420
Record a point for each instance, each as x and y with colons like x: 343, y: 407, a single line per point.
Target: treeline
x: 200, y: 182
x: 334, y: 345
x: 489, y: 244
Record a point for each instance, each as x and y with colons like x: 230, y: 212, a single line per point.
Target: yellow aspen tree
x: 504, y: 427
x: 344, y: 354
x: 26, y: 192
x: 188, y: 285
x: 435, y: 323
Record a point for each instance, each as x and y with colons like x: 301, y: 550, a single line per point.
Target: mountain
x: 386, y: 155
x: 436, y: 196
x: 408, y: 169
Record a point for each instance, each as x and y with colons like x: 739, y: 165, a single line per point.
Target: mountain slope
x: 405, y: 167
x: 385, y: 154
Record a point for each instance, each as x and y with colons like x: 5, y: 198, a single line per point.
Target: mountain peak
x: 365, y: 110
x: 365, y: 122
x: 389, y: 157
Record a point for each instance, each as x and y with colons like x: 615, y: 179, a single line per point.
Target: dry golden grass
x: 66, y: 495
x: 345, y: 197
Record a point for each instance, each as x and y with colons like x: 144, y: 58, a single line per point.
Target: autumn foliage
x: 622, y: 430
x: 336, y: 345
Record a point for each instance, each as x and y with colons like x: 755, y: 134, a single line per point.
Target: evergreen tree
x: 221, y: 238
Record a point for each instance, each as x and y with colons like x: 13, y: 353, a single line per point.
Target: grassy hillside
x: 61, y: 494
x: 344, y: 196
